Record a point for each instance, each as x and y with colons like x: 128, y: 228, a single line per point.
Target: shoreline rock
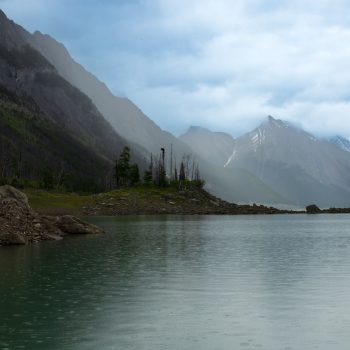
x: 20, y: 225
x: 157, y: 202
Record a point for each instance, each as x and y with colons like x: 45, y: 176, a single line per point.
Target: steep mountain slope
x: 297, y: 165
x: 30, y: 142
x: 214, y: 147
x: 127, y: 119
x: 45, y: 114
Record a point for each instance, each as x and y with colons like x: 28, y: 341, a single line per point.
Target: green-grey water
x: 223, y: 282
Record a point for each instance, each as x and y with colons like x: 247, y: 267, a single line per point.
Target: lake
x: 195, y: 282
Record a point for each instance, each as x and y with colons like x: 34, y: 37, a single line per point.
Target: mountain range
x: 299, y: 166
x: 54, y: 112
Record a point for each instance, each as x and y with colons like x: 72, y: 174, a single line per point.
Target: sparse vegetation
x: 139, y: 200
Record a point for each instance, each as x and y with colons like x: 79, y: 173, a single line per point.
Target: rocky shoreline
x: 20, y: 225
x: 170, y: 202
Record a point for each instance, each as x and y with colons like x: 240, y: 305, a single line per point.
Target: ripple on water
x: 277, y: 282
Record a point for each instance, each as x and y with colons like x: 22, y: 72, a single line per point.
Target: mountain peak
x: 11, y: 34
x: 39, y: 35
x: 197, y: 128
x: 276, y: 122
x: 272, y: 123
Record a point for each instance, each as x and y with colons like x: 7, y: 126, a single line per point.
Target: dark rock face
x: 313, y: 209
x: 19, y: 224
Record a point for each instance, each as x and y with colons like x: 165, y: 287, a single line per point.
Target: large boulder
x: 313, y: 209
x: 9, y: 193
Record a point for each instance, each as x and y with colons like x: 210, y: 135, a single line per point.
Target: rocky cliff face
x: 19, y: 224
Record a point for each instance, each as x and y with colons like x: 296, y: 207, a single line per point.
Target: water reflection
x: 277, y: 282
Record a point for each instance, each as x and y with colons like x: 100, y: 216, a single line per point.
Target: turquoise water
x: 218, y: 282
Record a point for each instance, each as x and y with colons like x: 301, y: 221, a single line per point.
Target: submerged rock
x: 19, y: 224
x: 69, y: 224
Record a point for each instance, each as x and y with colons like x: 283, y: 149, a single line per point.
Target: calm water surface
x: 252, y: 282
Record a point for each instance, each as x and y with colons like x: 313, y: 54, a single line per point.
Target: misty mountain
x: 128, y: 120
x: 55, y: 112
x: 297, y: 165
x: 214, y: 147
x: 46, y: 120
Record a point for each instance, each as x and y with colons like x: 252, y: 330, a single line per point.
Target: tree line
x: 158, y: 173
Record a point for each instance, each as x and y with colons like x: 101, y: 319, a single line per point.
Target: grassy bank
x: 50, y: 202
x: 138, y: 201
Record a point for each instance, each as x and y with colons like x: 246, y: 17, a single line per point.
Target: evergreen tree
x: 147, y: 177
x: 122, y: 168
x: 134, y: 175
x: 47, y: 178
x: 116, y: 173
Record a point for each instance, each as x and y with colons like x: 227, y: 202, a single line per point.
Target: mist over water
x: 252, y: 282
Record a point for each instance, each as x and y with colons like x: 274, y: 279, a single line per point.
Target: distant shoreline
x: 152, y: 201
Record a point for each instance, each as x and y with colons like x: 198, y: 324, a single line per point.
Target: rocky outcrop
x: 69, y: 224
x: 313, y: 209
x: 19, y: 224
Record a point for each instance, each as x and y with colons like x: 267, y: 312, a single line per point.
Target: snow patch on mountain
x: 340, y: 142
x: 232, y: 156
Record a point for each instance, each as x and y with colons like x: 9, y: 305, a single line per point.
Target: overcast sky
x: 222, y: 64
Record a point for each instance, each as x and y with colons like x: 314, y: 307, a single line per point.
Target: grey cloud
x: 223, y: 64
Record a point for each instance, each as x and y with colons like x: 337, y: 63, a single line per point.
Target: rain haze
x: 220, y: 64
x: 196, y: 152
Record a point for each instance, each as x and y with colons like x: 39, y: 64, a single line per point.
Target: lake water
x: 218, y: 282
